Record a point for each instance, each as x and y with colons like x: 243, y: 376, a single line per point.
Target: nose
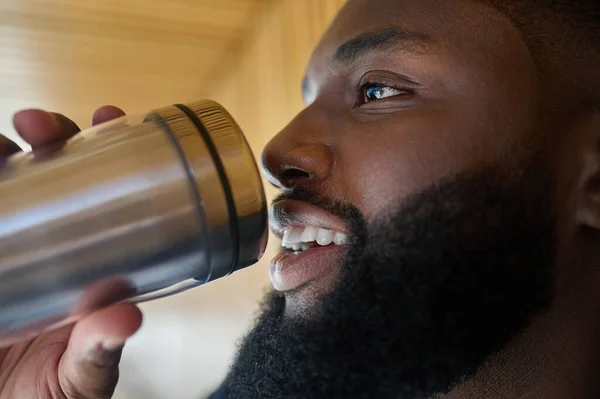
x: 297, y: 158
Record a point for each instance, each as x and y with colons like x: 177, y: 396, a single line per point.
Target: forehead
x: 466, y: 29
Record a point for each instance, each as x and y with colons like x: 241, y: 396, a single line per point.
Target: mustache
x: 344, y: 210
x: 336, y: 207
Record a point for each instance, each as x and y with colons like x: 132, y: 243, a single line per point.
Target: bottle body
x: 136, y: 208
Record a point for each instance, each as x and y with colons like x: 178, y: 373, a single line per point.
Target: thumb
x: 89, y: 367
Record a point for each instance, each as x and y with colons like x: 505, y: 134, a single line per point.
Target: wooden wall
x: 264, y: 86
x: 74, y: 55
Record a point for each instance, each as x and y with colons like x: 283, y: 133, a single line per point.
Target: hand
x: 75, y: 361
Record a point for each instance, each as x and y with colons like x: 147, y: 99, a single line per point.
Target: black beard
x: 426, y: 295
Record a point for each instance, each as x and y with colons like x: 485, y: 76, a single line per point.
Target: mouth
x: 298, y: 239
x: 313, y: 243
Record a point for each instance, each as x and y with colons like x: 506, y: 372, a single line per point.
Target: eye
x: 374, y: 92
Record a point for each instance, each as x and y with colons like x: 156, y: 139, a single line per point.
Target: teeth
x: 309, y: 234
x: 300, y: 247
x: 340, y: 238
x: 291, y: 236
x: 324, y: 237
x: 297, y: 247
x: 297, y: 238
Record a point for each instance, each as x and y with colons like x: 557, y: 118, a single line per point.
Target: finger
x: 89, y: 366
x: 106, y: 113
x: 40, y: 128
x: 101, y: 294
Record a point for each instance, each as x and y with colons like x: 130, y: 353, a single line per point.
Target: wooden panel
x: 264, y: 91
x: 74, y: 55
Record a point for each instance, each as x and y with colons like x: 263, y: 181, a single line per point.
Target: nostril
x: 292, y: 175
x: 286, y: 165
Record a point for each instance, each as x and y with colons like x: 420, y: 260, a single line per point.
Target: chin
x: 306, y: 299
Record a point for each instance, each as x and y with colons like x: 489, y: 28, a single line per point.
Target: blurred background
x: 72, y: 56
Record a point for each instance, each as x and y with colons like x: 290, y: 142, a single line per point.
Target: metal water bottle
x: 133, y: 209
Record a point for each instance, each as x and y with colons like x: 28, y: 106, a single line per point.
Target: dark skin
x: 457, y: 90
x: 440, y: 122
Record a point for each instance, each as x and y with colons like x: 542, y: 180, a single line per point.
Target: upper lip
x: 285, y: 214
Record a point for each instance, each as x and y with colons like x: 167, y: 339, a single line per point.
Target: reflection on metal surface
x: 137, y: 208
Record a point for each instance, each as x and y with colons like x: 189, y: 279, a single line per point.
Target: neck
x: 556, y: 357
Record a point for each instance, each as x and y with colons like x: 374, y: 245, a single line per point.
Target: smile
x: 299, y: 239
x: 313, y: 242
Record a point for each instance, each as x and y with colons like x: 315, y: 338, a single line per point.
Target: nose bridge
x: 299, y: 154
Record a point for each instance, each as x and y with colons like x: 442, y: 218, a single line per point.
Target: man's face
x: 416, y: 164
x: 400, y: 95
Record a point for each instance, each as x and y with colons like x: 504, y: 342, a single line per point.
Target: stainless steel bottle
x: 134, y: 209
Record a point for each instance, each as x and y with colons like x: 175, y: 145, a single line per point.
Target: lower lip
x: 290, y: 271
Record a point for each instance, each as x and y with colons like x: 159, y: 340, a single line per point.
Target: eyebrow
x: 376, y: 41
x: 381, y: 40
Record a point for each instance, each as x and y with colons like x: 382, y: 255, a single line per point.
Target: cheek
x: 382, y: 162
